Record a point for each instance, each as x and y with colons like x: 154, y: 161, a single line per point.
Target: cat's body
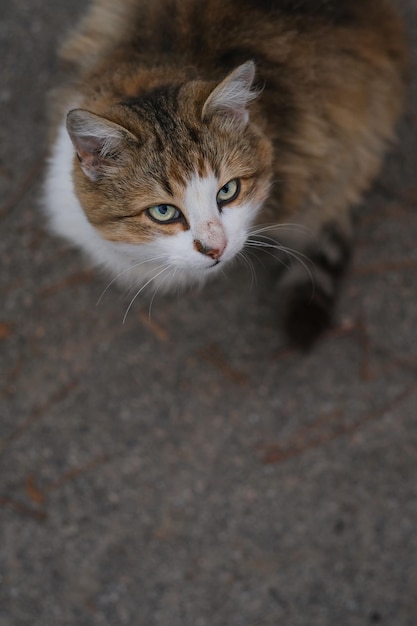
x: 174, y: 163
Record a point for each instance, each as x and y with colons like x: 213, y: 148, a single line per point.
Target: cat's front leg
x: 308, y: 289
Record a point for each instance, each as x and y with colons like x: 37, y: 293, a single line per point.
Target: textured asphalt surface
x: 190, y: 469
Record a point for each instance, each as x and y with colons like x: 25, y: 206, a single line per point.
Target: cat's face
x: 175, y: 177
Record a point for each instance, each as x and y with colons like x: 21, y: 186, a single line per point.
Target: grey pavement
x: 188, y: 468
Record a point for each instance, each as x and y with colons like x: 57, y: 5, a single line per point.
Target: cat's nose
x: 214, y: 253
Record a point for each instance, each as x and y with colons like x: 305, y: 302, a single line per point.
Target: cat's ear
x: 233, y: 95
x: 98, y: 142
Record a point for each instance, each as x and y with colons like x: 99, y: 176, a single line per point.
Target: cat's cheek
x: 237, y: 222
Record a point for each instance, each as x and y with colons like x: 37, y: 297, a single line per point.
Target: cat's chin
x: 175, y: 280
x: 213, y: 265
x: 194, y: 277
x: 165, y: 278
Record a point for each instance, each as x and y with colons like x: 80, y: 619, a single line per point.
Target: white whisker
x: 243, y: 254
x: 271, y: 244
x: 255, y: 256
x: 128, y: 269
x: 167, y: 276
x: 299, y: 228
x: 164, y: 269
x: 266, y: 250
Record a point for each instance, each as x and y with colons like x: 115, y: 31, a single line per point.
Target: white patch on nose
x: 203, y: 213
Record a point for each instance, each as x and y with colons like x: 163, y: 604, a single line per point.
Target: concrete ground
x: 190, y: 469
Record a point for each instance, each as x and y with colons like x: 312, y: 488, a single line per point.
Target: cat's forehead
x: 175, y: 140
x: 179, y: 164
x: 197, y: 188
x: 200, y: 188
x: 161, y: 114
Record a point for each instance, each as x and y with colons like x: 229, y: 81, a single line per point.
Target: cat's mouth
x: 216, y: 262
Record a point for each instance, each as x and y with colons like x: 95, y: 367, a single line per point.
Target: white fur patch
x: 67, y: 219
x: 202, y: 211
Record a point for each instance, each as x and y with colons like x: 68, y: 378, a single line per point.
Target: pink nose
x: 214, y: 253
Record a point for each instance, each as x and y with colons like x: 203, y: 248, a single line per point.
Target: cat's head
x: 179, y: 172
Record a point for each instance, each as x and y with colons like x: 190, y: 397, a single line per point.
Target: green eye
x: 164, y: 213
x: 228, y: 192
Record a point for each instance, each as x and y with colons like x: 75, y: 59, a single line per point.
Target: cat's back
x: 223, y: 32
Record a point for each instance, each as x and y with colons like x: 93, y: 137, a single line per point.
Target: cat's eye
x: 164, y: 213
x: 228, y: 192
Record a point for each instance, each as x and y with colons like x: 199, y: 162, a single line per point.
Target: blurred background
x: 190, y: 469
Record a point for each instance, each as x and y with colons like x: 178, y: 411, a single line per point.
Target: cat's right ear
x: 98, y: 142
x: 233, y: 95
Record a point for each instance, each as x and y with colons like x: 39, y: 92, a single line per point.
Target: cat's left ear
x: 233, y: 95
x: 98, y: 142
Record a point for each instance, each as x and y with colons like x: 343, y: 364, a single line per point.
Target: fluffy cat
x: 190, y: 130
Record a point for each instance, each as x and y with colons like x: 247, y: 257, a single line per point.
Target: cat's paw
x: 307, y: 307
x: 306, y: 316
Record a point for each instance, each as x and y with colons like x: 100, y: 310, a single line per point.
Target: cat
x: 191, y: 132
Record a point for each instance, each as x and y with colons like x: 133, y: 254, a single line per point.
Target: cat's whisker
x: 255, y: 256
x: 274, y: 225
x: 148, y: 282
x: 274, y: 256
x: 274, y: 245
x: 167, y: 276
x: 243, y: 254
x: 292, y: 227
x: 270, y: 242
x: 126, y: 270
